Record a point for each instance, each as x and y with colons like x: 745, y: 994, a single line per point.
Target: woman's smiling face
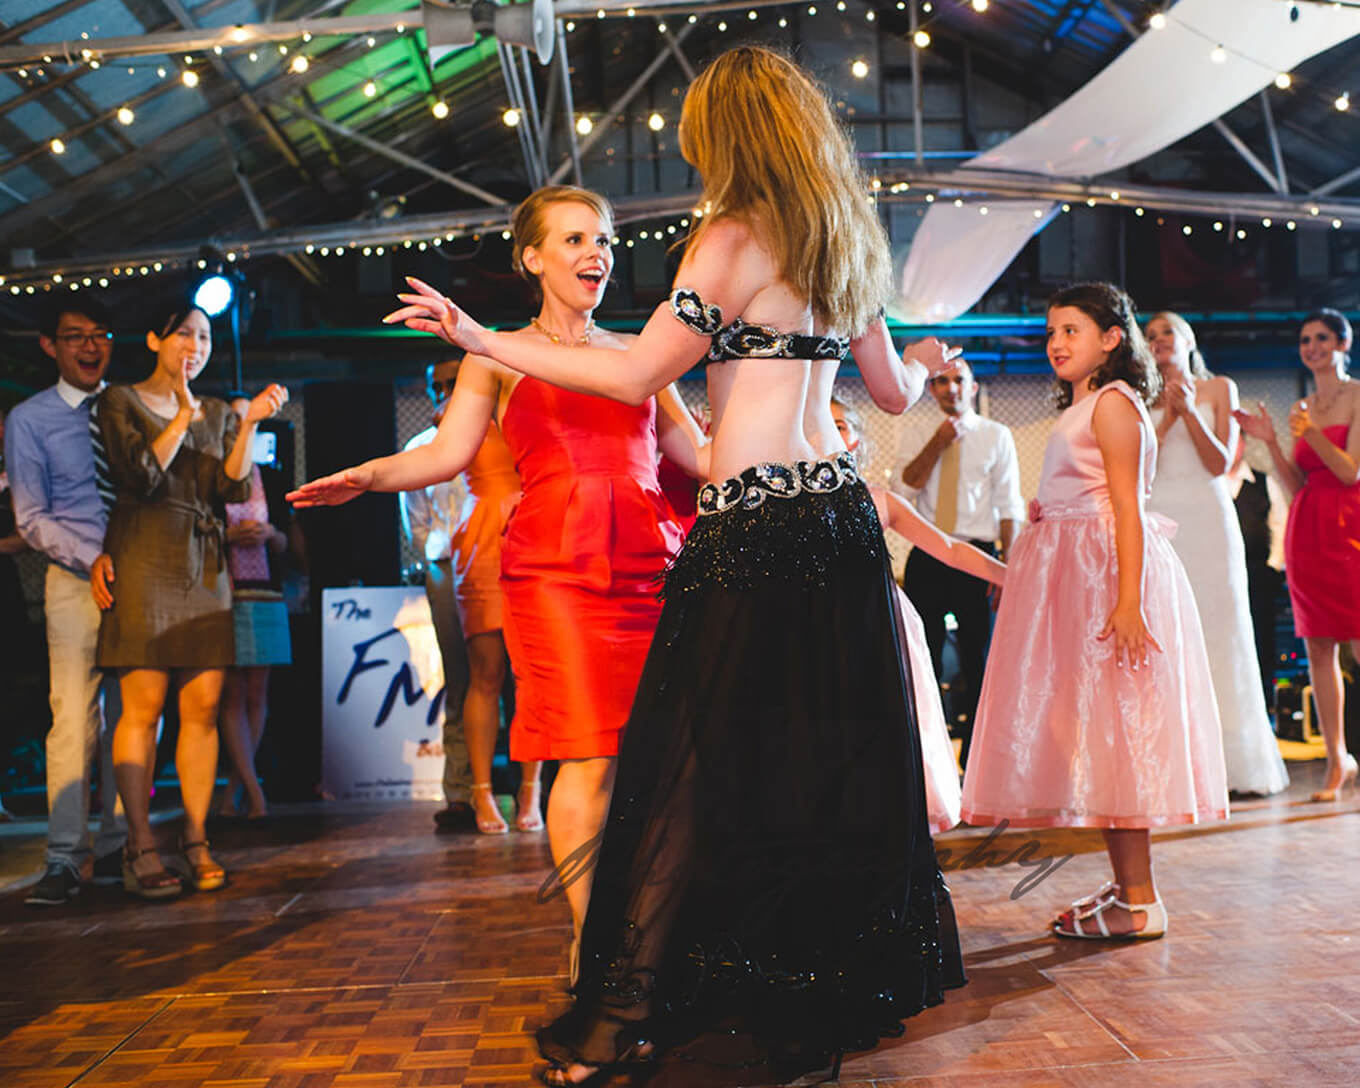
x: 576, y: 256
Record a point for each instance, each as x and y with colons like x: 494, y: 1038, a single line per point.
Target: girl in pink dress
x: 938, y: 761
x: 1100, y: 712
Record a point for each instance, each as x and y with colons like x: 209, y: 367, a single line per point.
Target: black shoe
x: 457, y: 816
x: 58, y: 885
x: 108, y: 869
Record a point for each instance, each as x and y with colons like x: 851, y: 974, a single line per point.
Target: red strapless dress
x: 579, y: 567
x: 1322, y: 547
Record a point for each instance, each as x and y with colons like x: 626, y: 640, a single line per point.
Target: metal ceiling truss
x: 972, y: 186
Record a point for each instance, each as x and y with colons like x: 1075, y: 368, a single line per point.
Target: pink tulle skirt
x: 937, y: 750
x: 1065, y: 738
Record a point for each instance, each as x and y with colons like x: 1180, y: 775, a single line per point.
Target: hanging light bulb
x: 584, y: 125
x: 510, y: 118
x: 300, y: 64
x: 440, y: 110
x: 1218, y: 54
x: 1157, y: 21
x: 921, y: 39
x: 1284, y: 81
x: 859, y: 69
x: 58, y: 146
x: 125, y: 115
x: 1343, y: 101
x: 656, y: 122
x: 189, y: 77
x: 979, y: 6
x: 370, y: 89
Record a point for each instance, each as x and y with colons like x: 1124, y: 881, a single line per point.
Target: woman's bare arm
x: 455, y: 444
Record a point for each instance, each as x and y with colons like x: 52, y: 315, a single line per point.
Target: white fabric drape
x: 1160, y: 89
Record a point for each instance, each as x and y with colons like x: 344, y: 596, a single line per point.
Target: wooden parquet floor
x: 355, y: 948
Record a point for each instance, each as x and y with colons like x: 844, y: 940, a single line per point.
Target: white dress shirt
x: 429, y: 515
x: 989, y: 477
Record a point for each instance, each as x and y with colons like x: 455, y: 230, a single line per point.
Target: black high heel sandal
x: 638, y: 1061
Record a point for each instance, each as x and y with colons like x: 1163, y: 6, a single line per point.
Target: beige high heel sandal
x: 1349, y: 769
x: 498, y: 826
x: 529, y: 816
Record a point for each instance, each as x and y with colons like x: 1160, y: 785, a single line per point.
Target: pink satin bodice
x: 1073, y: 480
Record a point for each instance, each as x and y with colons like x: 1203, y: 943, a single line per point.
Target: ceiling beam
x: 972, y: 184
x: 169, y: 143
x: 379, y: 148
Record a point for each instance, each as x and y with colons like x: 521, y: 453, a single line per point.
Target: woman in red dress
x: 582, y: 554
x: 1322, y: 541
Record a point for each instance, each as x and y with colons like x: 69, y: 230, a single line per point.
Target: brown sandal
x: 207, y: 877
x: 159, y: 885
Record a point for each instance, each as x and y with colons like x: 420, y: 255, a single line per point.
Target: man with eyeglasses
x: 59, y: 513
x: 429, y: 517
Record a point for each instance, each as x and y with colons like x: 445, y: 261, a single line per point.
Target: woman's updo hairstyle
x: 529, y: 224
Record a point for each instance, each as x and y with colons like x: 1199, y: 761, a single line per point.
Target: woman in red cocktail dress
x: 583, y: 552
x: 1322, y: 541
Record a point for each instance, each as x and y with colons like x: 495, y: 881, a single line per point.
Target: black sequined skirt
x: 766, y: 889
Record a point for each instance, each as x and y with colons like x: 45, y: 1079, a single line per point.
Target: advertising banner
x: 382, y: 690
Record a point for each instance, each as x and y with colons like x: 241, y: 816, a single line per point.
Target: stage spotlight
x: 214, y: 294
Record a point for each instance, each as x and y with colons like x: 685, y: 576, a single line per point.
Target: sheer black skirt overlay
x: 767, y: 867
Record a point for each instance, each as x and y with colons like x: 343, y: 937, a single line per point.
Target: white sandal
x: 1108, y: 890
x: 498, y: 826
x: 529, y: 813
x: 1155, y: 927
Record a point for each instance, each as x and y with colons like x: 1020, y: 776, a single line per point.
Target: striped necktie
x: 103, y: 479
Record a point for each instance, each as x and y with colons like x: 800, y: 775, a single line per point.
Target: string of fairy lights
x: 185, y: 70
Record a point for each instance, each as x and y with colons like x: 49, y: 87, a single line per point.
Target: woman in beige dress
x: 171, y: 460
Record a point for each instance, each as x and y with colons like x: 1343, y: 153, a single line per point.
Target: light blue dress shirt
x: 50, y: 463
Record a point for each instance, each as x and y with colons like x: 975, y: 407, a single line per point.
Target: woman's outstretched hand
x: 332, y: 490
x: 934, y: 355
x: 428, y: 311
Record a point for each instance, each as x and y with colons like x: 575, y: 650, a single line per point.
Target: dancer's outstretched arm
x: 894, y: 383
x: 726, y: 270
x: 452, y: 449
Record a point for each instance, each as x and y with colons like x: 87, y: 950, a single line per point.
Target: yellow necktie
x: 947, y: 495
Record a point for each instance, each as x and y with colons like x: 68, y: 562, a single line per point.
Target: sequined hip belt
x: 774, y: 479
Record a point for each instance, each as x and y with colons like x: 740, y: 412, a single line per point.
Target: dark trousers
x: 1263, y: 586
x: 934, y: 590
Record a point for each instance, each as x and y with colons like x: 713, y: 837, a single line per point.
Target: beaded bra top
x: 741, y: 340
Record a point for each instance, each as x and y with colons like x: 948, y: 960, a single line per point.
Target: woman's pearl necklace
x: 584, y: 338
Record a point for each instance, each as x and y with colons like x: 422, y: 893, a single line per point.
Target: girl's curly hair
x: 1131, y: 360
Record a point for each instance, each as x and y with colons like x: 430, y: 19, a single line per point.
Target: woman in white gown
x: 1196, y: 436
